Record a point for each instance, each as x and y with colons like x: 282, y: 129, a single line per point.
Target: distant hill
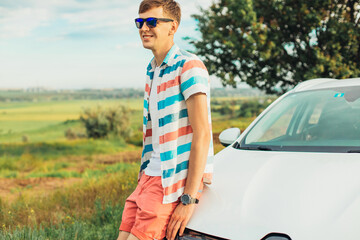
x: 43, y: 94
x: 34, y: 95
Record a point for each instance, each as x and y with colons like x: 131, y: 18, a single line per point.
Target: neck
x: 161, y: 53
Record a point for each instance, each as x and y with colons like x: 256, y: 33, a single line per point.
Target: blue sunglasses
x: 150, y: 22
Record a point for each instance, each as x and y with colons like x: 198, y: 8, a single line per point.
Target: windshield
x: 319, y: 120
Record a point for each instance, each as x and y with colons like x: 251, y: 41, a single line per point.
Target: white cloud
x: 113, y: 15
x: 20, y: 22
x: 109, y: 20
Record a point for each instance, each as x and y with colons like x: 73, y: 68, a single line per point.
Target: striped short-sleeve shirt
x: 182, y: 74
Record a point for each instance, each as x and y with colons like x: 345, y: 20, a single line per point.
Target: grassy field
x: 46, y: 121
x: 55, y: 188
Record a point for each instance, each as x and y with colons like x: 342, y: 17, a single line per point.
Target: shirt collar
x: 151, y: 65
x: 169, y: 56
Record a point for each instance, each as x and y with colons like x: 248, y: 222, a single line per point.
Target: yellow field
x: 55, y: 111
x: 39, y: 121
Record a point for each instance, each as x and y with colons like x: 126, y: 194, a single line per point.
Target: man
x: 177, y: 144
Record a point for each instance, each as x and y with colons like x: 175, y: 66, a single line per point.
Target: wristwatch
x: 186, y: 199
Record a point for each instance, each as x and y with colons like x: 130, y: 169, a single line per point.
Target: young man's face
x: 160, y: 36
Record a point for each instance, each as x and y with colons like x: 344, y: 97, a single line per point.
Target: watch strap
x: 194, y: 200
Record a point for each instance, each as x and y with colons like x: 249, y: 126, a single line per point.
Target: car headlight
x: 192, y: 235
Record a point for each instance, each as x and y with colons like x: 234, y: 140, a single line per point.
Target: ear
x: 174, y: 27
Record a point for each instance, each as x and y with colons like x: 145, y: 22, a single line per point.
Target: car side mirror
x: 228, y: 136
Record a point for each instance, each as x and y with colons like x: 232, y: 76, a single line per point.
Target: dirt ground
x: 128, y: 156
x: 10, y: 189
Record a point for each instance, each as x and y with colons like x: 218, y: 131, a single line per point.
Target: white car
x: 294, y: 173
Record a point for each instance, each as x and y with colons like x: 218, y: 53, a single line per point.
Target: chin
x: 148, y: 46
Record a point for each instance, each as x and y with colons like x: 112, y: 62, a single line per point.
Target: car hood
x: 304, y: 195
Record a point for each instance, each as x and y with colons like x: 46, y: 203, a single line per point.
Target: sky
x: 76, y: 44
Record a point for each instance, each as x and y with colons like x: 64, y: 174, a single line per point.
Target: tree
x: 99, y: 122
x: 275, y: 44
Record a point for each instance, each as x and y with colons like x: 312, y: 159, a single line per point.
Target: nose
x: 144, y: 27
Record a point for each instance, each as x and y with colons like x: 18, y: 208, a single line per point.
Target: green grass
x: 50, y: 150
x: 54, y: 159
x: 103, y: 225
x: 55, y: 174
x: 221, y: 122
x: 100, y: 170
x: 43, y: 131
x: 88, y: 201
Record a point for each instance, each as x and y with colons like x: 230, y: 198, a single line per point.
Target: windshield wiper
x: 354, y: 151
x: 262, y: 148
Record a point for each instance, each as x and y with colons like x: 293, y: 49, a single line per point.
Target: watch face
x: 185, y: 199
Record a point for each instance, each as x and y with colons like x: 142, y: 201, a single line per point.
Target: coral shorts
x: 144, y: 215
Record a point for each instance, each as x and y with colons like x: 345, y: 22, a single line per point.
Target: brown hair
x: 170, y: 7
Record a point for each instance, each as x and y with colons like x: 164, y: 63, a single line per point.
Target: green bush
x: 136, y: 138
x: 70, y: 134
x: 100, y: 123
x: 252, y: 108
x: 247, y: 108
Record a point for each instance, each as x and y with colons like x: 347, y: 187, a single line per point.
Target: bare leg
x: 123, y: 235
x: 132, y: 237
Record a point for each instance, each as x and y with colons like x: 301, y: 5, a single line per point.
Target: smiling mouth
x: 147, y: 36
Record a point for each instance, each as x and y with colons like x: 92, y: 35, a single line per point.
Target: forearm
x: 197, y: 162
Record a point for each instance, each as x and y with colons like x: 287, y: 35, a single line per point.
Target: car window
x: 314, y: 118
x: 318, y: 120
x: 279, y: 127
x: 311, y: 116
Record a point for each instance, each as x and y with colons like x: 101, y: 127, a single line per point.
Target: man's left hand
x: 179, y: 220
